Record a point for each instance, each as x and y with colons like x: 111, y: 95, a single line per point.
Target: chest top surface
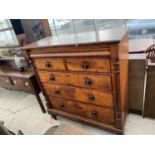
x: 112, y: 36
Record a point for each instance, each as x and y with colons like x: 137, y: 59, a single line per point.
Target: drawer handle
x: 62, y: 105
x: 91, y: 98
x: 52, y: 78
x: 88, y: 82
x: 26, y: 83
x: 47, y: 65
x: 94, y: 113
x: 57, y: 92
x: 85, y: 66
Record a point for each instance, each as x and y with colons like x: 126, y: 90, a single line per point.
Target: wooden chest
x: 84, y: 80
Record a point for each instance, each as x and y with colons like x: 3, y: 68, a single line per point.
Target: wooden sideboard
x: 84, y: 77
x: 137, y: 62
x: 11, y: 78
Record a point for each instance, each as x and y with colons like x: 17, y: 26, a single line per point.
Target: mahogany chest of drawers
x: 84, y: 78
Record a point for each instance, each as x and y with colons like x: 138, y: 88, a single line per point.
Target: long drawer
x: 97, y: 81
x: 89, y: 111
x: 80, y: 94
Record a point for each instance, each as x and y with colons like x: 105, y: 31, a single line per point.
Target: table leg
x: 40, y: 103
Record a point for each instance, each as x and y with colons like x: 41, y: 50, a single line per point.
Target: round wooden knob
x: 26, y: 83
x: 94, y: 113
x: 52, y: 78
x: 57, y: 92
x: 88, y: 82
x: 62, y: 105
x: 91, y: 98
x: 85, y: 66
x: 47, y: 65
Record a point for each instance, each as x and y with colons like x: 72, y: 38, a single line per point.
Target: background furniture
x: 149, y: 97
x: 84, y: 77
x: 137, y: 62
x: 25, y: 81
x: 35, y: 29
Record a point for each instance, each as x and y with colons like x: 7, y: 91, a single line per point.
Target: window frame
x: 9, y: 28
x: 95, y: 25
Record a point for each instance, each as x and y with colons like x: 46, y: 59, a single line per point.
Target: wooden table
x: 11, y: 78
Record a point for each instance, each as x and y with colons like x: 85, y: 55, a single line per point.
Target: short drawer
x: 97, y: 81
x: 90, y: 65
x: 92, y: 97
x: 5, y: 80
x: 89, y: 111
x: 21, y: 83
x: 49, y: 64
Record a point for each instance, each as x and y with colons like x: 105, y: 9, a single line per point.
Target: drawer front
x: 5, y: 81
x: 90, y: 65
x: 98, y: 81
x: 89, y: 111
x: 49, y: 64
x: 21, y: 83
x: 80, y: 94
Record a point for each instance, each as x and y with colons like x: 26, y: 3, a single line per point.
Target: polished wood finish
x: 49, y: 64
x: 98, y: 81
x: 69, y: 48
x: 108, y: 36
x: 88, y: 88
x: 89, y: 65
x: 72, y: 55
x: 89, y: 96
x: 89, y: 111
x: 98, y: 124
x: 123, y: 66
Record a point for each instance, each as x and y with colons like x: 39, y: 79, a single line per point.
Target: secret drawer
x: 90, y: 65
x: 49, y: 64
x: 5, y: 80
x: 80, y: 94
x: 97, y: 81
x: 89, y: 111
